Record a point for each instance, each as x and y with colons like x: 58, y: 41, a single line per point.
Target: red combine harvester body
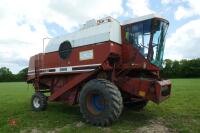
x: 103, y: 67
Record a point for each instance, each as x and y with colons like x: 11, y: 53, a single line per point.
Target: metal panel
x: 109, y: 31
x: 142, y: 18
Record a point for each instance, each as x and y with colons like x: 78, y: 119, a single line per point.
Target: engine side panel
x: 81, y: 59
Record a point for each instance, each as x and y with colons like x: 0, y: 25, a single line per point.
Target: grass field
x: 180, y: 113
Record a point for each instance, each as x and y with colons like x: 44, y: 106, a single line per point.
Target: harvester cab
x: 148, y: 35
x: 103, y: 67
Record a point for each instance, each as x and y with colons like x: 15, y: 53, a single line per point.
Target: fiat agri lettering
x: 103, y: 67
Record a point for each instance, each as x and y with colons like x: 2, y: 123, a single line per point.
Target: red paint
x: 69, y: 85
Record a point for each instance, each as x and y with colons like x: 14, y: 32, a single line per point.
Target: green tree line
x: 171, y: 69
x: 7, y: 76
x: 181, y: 69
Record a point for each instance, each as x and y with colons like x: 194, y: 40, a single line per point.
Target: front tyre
x: 100, y: 102
x: 38, y: 102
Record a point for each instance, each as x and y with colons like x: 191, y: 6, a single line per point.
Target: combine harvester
x: 103, y: 67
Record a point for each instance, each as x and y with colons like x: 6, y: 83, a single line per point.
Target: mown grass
x: 181, y: 112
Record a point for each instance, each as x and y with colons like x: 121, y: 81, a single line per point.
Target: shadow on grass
x: 129, y: 119
x: 65, y: 117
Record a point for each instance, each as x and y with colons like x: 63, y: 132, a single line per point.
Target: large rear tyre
x: 100, y: 102
x: 38, y: 102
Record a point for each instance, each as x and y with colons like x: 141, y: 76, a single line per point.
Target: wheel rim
x: 36, y: 102
x: 96, y: 103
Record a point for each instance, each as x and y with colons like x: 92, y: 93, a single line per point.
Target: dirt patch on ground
x: 155, y: 126
x: 80, y: 124
x: 57, y: 130
x: 34, y: 130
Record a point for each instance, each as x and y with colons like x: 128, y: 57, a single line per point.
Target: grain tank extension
x: 103, y: 67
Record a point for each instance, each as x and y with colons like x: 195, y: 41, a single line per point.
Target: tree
x: 21, y: 76
x: 167, y: 70
x: 6, y: 75
x: 176, y: 69
x: 181, y: 69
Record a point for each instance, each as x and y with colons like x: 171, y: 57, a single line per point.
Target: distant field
x: 180, y: 113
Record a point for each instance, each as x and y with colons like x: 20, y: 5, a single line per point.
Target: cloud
x: 23, y: 24
x: 192, y: 9
x: 182, y: 12
x: 171, y: 1
x: 139, y: 7
x: 78, y: 10
x: 166, y: 1
x: 184, y: 42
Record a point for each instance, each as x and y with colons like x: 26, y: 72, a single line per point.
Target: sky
x: 24, y: 24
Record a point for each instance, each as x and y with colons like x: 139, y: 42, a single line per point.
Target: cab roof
x: 142, y: 18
